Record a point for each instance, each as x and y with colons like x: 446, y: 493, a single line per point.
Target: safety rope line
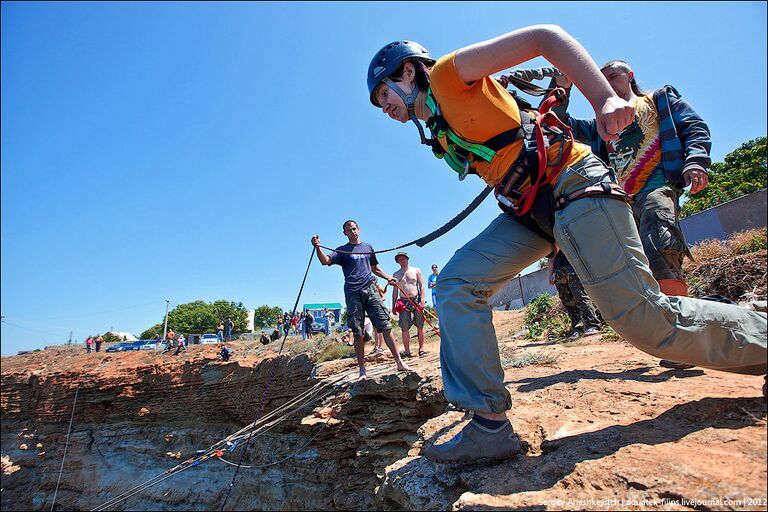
x: 337, y: 381
x: 66, y: 444
x: 301, y: 449
x: 269, y: 382
x: 421, y: 242
x: 222, y: 444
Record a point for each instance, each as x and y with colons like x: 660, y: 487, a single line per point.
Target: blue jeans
x: 600, y: 239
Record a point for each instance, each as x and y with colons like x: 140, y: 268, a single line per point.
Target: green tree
x: 202, y: 317
x: 111, y: 338
x: 745, y: 170
x: 152, y: 332
x: 264, y: 316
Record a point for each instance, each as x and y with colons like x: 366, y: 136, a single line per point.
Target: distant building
x: 125, y: 336
x: 317, y: 311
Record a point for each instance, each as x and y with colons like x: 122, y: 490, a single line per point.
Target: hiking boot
x: 475, y: 443
x: 591, y: 331
x: 575, y: 335
x: 666, y: 363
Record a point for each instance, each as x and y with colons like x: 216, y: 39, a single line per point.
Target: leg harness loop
x: 603, y: 189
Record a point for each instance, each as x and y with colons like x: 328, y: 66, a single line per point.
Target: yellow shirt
x: 481, y: 111
x: 636, y: 156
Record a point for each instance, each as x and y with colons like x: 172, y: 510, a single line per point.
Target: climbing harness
x: 604, y: 189
x: 417, y: 308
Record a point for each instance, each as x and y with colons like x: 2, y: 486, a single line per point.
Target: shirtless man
x: 410, y: 280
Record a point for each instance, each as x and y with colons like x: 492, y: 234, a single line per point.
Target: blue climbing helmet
x: 386, y: 62
x: 389, y: 59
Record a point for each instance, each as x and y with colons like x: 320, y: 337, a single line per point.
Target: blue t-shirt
x: 356, y: 266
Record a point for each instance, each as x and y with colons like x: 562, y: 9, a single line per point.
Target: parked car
x: 136, y: 345
x: 148, y: 345
x: 207, y: 339
x: 120, y: 347
x: 317, y: 327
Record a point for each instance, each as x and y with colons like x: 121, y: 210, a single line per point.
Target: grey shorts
x: 656, y: 215
x: 410, y: 316
x: 366, y: 302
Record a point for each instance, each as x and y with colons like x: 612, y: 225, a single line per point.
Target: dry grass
x: 530, y: 359
x: 735, y: 268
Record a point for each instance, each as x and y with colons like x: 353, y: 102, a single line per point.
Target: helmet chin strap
x: 410, y: 104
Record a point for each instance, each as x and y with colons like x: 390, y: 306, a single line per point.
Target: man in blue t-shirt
x: 358, y: 262
x: 432, y: 284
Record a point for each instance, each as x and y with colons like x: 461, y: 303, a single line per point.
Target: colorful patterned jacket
x: 685, y: 138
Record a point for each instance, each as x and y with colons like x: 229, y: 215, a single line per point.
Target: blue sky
x: 155, y: 151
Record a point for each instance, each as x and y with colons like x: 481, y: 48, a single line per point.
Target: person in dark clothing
x: 230, y: 328
x: 308, y: 319
x: 585, y: 318
x: 359, y: 264
x: 225, y: 353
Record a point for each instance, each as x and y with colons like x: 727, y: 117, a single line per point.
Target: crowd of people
x: 94, y: 342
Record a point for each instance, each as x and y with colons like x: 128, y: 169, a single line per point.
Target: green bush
x: 535, y: 313
x: 752, y: 244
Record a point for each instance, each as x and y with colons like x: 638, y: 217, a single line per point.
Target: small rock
x: 366, y: 431
x: 143, y: 411
x: 759, y: 305
x: 23, y: 446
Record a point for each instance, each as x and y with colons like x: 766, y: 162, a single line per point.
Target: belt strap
x: 602, y: 189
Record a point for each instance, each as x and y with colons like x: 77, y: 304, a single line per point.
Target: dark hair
x: 422, y: 75
x: 625, y: 67
x: 346, y: 222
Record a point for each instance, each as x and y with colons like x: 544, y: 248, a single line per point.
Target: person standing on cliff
x: 358, y: 262
x: 220, y: 331
x: 88, y: 344
x: 99, y: 341
x: 169, y: 340
x: 230, y: 329
x: 182, y: 345
x: 410, y: 291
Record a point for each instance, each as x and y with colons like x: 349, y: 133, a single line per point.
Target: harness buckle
x: 464, y: 173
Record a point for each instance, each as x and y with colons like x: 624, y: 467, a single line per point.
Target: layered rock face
x: 603, y: 427
x: 131, y: 425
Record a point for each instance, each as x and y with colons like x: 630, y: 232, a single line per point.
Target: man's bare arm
x: 324, y: 258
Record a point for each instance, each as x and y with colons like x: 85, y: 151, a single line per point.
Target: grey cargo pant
x: 600, y: 239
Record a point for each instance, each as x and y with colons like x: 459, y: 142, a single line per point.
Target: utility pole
x: 70, y: 338
x: 165, y: 325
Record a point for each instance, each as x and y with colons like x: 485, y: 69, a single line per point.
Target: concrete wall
x: 746, y: 212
